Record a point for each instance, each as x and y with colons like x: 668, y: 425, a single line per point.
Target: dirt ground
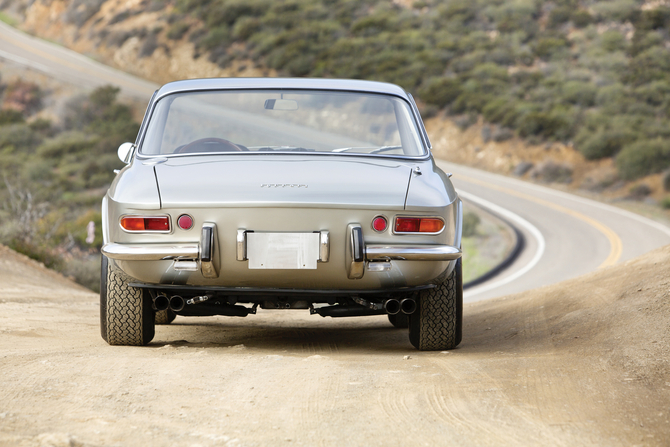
x: 584, y: 362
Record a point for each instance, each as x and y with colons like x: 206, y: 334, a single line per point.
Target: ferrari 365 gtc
x: 313, y: 194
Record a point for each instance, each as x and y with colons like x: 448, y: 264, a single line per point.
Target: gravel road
x: 583, y: 362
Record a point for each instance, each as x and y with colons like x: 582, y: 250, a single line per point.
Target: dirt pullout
x: 583, y: 362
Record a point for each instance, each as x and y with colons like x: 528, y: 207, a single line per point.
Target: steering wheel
x: 216, y: 144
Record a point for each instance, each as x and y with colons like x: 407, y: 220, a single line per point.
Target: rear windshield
x: 282, y: 121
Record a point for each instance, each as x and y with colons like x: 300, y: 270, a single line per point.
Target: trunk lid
x: 324, y: 182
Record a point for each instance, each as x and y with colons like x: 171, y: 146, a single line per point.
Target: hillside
x: 584, y: 75
x: 583, y: 362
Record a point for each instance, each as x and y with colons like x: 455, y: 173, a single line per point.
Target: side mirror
x: 125, y: 152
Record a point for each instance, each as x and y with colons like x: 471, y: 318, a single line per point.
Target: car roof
x: 190, y: 85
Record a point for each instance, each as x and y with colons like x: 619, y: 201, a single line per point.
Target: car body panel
x: 283, y: 192
x: 257, y: 180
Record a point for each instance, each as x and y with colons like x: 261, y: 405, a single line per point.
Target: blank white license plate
x: 282, y: 250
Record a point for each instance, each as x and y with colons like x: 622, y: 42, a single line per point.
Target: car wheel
x: 399, y: 320
x: 126, y: 315
x: 437, y: 323
x: 165, y: 316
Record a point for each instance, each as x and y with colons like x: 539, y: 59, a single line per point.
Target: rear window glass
x: 282, y: 121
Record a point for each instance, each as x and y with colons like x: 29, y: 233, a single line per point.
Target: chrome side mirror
x: 125, y: 152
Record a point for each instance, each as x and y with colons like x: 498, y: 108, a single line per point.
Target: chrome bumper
x: 150, y: 252
x: 163, y: 252
x: 204, y: 255
x: 411, y: 253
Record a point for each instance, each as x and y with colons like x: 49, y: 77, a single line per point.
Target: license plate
x: 282, y: 250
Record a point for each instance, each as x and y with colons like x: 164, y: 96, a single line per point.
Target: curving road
x: 565, y: 235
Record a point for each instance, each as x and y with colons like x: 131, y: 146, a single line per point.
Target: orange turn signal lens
x: 141, y: 223
x: 418, y: 225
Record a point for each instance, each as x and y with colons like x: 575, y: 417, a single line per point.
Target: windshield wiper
x: 363, y: 149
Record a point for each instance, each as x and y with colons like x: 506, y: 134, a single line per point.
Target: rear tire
x: 399, y: 320
x: 437, y: 323
x: 165, y: 316
x: 126, y: 315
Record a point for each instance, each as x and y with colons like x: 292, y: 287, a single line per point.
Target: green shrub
x: 10, y: 116
x: 581, y: 18
x: 612, y: 40
x: 560, y: 15
x: 470, y: 223
x: 665, y: 202
x: 602, y: 143
x: 440, y: 91
x: 177, y: 30
x: 546, y: 47
x: 642, y: 158
x: 72, y: 142
x: 579, y: 93
x: 20, y: 137
x: 543, y: 124
x: 650, y: 65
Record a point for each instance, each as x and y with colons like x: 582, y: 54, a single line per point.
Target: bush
x: 603, y: 143
x: 665, y: 202
x: 440, y: 91
x: 579, y: 93
x: 642, y: 158
x: 67, y: 143
x: 581, y: 18
x: 177, y: 30
x: 612, y: 40
x: 639, y: 192
x: 551, y: 172
x: 470, y: 223
x: 10, y: 116
x: 548, y: 46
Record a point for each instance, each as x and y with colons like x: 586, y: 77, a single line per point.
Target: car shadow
x: 321, y: 336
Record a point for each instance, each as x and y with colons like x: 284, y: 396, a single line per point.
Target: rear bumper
x: 373, y: 252
x: 151, y: 252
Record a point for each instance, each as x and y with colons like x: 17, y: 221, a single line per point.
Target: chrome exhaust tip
x: 161, y: 302
x: 177, y: 303
x: 392, y: 306
x: 408, y: 306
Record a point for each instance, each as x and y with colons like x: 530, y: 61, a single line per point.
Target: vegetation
x: 593, y: 72
x: 53, y: 175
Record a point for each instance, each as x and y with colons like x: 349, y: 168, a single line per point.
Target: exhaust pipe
x: 177, y: 303
x: 408, y: 306
x: 392, y: 306
x: 161, y: 302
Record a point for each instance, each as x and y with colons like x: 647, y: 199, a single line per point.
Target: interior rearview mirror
x: 281, y: 104
x: 125, y: 152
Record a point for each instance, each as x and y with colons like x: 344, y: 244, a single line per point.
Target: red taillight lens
x: 379, y: 223
x: 418, y: 225
x: 138, y: 223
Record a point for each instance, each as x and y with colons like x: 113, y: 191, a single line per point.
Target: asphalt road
x: 565, y: 235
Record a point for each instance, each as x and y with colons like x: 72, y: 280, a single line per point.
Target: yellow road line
x: 616, y: 245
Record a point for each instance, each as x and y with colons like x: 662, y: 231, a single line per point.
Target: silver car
x: 312, y: 194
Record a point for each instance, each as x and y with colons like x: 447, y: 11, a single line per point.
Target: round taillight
x: 379, y: 223
x: 185, y: 222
